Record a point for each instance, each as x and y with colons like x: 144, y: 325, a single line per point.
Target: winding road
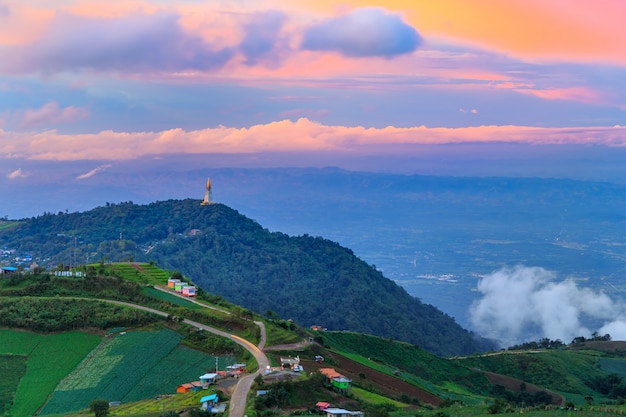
x: 240, y: 394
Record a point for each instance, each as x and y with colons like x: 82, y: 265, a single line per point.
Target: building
x: 341, y: 383
x: 178, y: 286
x: 208, y: 401
x: 335, y: 379
x: 340, y: 412
x: 208, y: 379
x: 171, y: 282
x: 322, y: 405
x: 189, y: 291
x: 189, y: 386
x: 236, y: 369
x: 291, y: 363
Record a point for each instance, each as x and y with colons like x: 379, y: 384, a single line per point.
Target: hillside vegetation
x: 151, y: 355
x: 308, y: 279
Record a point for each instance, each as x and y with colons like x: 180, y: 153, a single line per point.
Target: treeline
x: 52, y: 315
x: 544, y: 343
x: 547, y: 343
x: 308, y: 279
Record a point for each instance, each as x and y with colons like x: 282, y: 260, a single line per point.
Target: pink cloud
x: 285, y: 136
x: 580, y: 94
x: 51, y: 114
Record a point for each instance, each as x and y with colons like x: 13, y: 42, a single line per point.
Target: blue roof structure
x: 207, y: 398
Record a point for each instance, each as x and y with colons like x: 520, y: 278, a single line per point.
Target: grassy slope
x: 423, y: 368
x: 563, y: 371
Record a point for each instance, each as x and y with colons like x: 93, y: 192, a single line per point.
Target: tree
x: 99, y: 407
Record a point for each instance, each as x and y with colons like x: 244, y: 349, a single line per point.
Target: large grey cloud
x: 136, y: 43
x: 363, y: 32
x: 262, y: 41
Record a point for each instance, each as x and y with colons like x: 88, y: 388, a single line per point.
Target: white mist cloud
x: 18, y: 173
x: 93, y: 172
x: 522, y: 302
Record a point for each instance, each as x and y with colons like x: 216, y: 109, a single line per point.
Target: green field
x: 613, y: 366
x: 171, y: 298
x: 18, y: 342
x: 140, y: 272
x: 12, y: 369
x: 181, y: 365
x: 51, y: 359
x: 129, y: 367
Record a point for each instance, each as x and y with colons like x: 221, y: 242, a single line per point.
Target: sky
x: 85, y: 80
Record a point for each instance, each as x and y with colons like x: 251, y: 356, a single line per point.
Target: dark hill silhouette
x: 308, y: 279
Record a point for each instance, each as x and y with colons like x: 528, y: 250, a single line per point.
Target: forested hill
x: 308, y: 279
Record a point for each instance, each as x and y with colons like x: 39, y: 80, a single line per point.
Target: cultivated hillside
x: 308, y: 279
x: 62, y: 346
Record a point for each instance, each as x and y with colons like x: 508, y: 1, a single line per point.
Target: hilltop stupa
x: 208, y: 195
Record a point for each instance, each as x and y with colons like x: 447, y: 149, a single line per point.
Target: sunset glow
x: 118, y: 80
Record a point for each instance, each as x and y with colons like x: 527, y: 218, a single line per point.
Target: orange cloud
x: 576, y: 30
x: 284, y: 136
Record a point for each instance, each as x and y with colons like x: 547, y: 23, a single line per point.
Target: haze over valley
x: 458, y: 243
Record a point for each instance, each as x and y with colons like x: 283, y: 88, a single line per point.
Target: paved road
x: 240, y: 395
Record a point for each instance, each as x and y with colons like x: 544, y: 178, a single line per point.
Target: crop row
x: 54, y: 358
x: 13, y: 368
x: 181, y: 365
x: 17, y: 342
x: 113, y: 370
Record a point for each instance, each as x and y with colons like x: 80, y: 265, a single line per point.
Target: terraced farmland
x: 51, y: 359
x: 141, y: 272
x: 183, y: 364
x: 129, y: 367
